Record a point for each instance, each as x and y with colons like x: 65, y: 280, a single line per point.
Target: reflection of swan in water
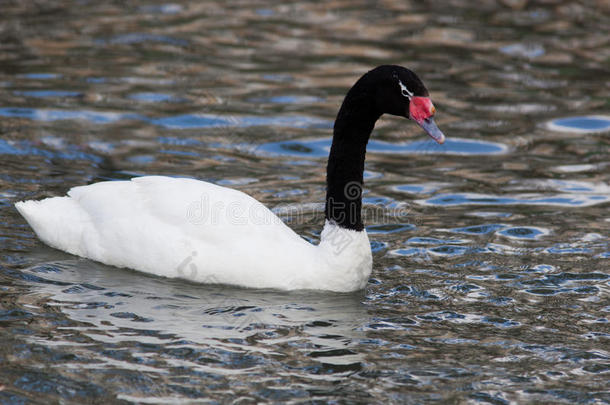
x: 127, y: 308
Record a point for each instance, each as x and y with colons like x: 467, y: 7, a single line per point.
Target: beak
x: 431, y: 129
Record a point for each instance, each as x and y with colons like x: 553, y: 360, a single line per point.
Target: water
x: 491, y: 252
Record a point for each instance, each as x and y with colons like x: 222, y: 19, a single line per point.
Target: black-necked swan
x: 148, y: 223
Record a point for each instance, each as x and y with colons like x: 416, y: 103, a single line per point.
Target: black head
x: 398, y: 91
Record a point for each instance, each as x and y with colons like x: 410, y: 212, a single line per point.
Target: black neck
x: 345, y: 169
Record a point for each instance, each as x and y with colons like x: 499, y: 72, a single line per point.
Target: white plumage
x: 176, y: 227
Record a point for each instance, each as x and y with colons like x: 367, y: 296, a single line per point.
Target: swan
x: 198, y: 231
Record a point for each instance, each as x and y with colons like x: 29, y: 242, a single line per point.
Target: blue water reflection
x: 388, y: 228
x: 418, y: 240
x: 96, y: 117
x: 479, y: 229
x: 169, y: 8
x: 419, y: 188
x: 137, y: 38
x: 154, y: 97
x: 321, y: 147
x: 24, y: 148
x: 40, y: 76
x: 592, y: 123
x: 48, y: 93
x: 562, y: 200
x: 190, y: 121
x: 523, y: 232
x: 186, y: 121
x: 287, y: 99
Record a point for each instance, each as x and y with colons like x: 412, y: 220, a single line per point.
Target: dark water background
x: 491, y: 286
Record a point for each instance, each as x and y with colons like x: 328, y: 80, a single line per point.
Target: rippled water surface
x: 491, y: 252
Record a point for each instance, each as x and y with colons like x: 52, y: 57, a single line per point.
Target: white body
x: 198, y: 231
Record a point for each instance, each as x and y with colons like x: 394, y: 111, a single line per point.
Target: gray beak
x: 431, y: 129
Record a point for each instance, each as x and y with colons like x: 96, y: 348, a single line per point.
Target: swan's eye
x: 404, y: 91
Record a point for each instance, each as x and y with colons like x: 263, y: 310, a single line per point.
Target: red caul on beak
x: 421, y: 111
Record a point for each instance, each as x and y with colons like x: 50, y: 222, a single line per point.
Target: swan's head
x: 400, y: 92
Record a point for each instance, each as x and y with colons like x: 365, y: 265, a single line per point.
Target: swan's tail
x: 60, y: 222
